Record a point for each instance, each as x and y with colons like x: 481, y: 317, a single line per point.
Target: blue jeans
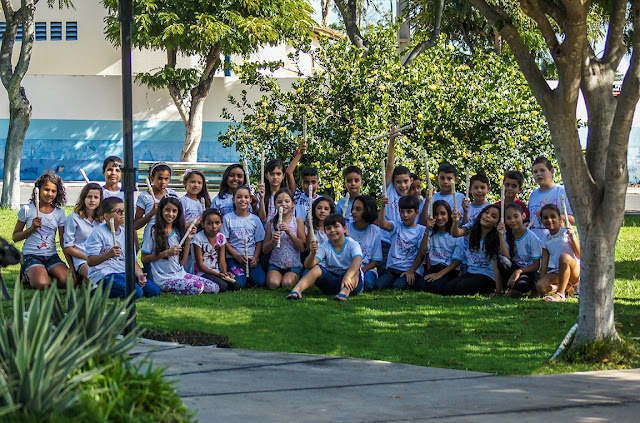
x: 118, y: 287
x: 391, y: 278
x: 256, y: 274
x: 369, y: 279
x: 331, y: 283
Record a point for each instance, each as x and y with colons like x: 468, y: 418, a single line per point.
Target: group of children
x: 285, y: 235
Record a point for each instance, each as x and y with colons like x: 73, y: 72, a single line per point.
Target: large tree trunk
x: 193, y: 132
x: 20, y: 118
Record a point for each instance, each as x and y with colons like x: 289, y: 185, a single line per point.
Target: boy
x: 308, y: 178
x: 447, y: 177
x: 106, y: 261
x: 112, y: 174
x: 513, y: 181
x: 353, y: 183
x: 334, y: 265
x: 479, y: 189
x: 547, y: 193
x: 405, y: 256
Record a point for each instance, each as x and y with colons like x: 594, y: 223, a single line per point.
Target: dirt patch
x: 190, y: 337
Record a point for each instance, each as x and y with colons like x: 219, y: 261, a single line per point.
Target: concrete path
x: 229, y: 385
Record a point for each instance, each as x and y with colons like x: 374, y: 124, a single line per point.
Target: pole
x: 125, y: 12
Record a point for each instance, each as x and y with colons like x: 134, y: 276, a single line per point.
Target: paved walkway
x: 230, y: 385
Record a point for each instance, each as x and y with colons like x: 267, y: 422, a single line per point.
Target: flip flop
x: 340, y: 297
x: 293, y: 295
x: 554, y: 298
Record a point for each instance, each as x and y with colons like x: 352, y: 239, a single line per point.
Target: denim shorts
x: 296, y: 270
x: 31, y: 260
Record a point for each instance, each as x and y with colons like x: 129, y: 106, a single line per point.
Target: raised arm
x: 382, y: 221
x: 391, y: 155
x: 291, y: 180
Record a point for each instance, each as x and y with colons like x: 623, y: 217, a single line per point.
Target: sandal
x: 293, y: 295
x: 556, y: 297
x: 340, y: 297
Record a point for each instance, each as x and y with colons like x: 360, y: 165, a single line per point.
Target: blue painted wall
x: 633, y: 155
x: 67, y: 146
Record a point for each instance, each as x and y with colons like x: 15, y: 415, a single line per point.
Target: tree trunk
x: 193, y: 130
x: 20, y: 118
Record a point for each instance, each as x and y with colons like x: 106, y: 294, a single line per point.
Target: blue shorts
x: 296, y: 270
x: 31, y: 260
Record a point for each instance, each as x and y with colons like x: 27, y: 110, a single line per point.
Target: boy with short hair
x: 479, y: 187
x: 447, y: 178
x: 334, y: 265
x: 353, y: 183
x: 405, y: 256
x: 308, y: 178
x: 513, y: 181
x: 112, y: 174
x: 106, y: 261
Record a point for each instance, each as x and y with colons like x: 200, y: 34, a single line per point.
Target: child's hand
x: 254, y: 201
x: 514, y: 277
x: 173, y: 251
x: 433, y: 277
x: 261, y: 190
x: 501, y: 228
x: 465, y: 204
x: 455, y: 216
x: 495, y: 294
x: 431, y: 222
x: 571, y: 232
x: 395, y: 132
x: 303, y: 147
x: 254, y: 261
x: 314, y: 246
x: 384, y: 200
x: 37, y: 222
x: 228, y: 275
x: 142, y: 280
x: 411, y: 277
x: 349, y: 283
x: 115, y: 251
x: 275, y: 236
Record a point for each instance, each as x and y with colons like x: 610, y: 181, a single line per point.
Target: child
x: 112, y: 174
x: 84, y: 219
x: 284, y: 265
x: 107, y: 261
x: 479, y: 252
x: 38, y: 229
x: 334, y: 265
x: 232, y: 178
x: 195, y: 183
x: 161, y: 249
x: 362, y: 229
x: 274, y: 178
x: 520, y: 252
x: 442, y: 245
x: 322, y: 208
x: 447, y: 177
x: 308, y: 178
x: 479, y: 189
x: 237, y: 227
x: 405, y: 257
x: 560, y: 269
x: 513, y: 181
x: 208, y: 249
x: 415, y: 188
x: 353, y: 183
x: 147, y: 202
x: 548, y: 193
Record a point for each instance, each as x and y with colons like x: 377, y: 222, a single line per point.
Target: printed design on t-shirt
x: 478, y: 259
x: 45, y: 232
x: 242, y: 232
x: 405, y: 248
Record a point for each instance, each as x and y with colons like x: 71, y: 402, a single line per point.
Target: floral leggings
x: 190, y: 285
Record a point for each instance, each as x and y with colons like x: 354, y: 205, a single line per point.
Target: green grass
x: 503, y: 336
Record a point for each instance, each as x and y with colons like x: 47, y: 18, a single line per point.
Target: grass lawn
x: 502, y: 335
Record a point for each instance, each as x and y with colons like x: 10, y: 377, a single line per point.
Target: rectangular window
x: 55, y: 31
x: 41, y: 31
x: 3, y: 28
x: 71, y: 31
x: 19, y: 33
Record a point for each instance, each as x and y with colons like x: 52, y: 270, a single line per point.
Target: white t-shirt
x: 391, y: 210
x: 537, y: 200
x: 210, y: 253
x: 528, y: 248
x: 192, y: 208
x: 441, y: 248
x: 340, y: 209
x: 43, y: 241
x: 449, y: 199
x: 223, y: 203
x: 405, y: 243
x: 99, y: 242
x: 338, y: 261
x: 146, y: 202
x: 301, y: 200
x: 167, y: 268
x: 477, y: 261
x: 107, y: 193
x: 236, y: 228
x: 369, y: 240
x: 76, y: 232
x: 474, y: 211
x: 556, y: 245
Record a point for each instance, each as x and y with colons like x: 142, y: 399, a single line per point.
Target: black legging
x: 437, y: 285
x: 469, y: 284
x: 525, y: 283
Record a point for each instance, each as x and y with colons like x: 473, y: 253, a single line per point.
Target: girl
x: 284, y: 265
x: 147, y: 202
x: 84, y: 219
x: 274, y: 172
x: 321, y: 208
x: 365, y: 211
x: 161, y: 249
x: 243, y: 229
x: 195, y: 183
x: 560, y: 269
x: 520, y: 252
x: 232, y: 178
x: 38, y: 229
x: 442, y: 266
x: 208, y: 249
x: 479, y: 252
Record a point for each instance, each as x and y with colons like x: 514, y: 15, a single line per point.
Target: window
x: 71, y: 31
x: 3, y: 28
x: 41, y: 31
x: 19, y: 33
x: 55, y: 31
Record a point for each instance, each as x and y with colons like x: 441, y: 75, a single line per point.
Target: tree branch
x: 212, y: 61
x: 534, y: 9
x: 348, y: 11
x: 174, y: 89
x: 425, y: 45
x: 27, y: 13
x: 615, y: 48
x: 467, y: 38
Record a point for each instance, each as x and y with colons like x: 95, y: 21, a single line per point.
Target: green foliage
x: 475, y: 111
x: 605, y: 355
